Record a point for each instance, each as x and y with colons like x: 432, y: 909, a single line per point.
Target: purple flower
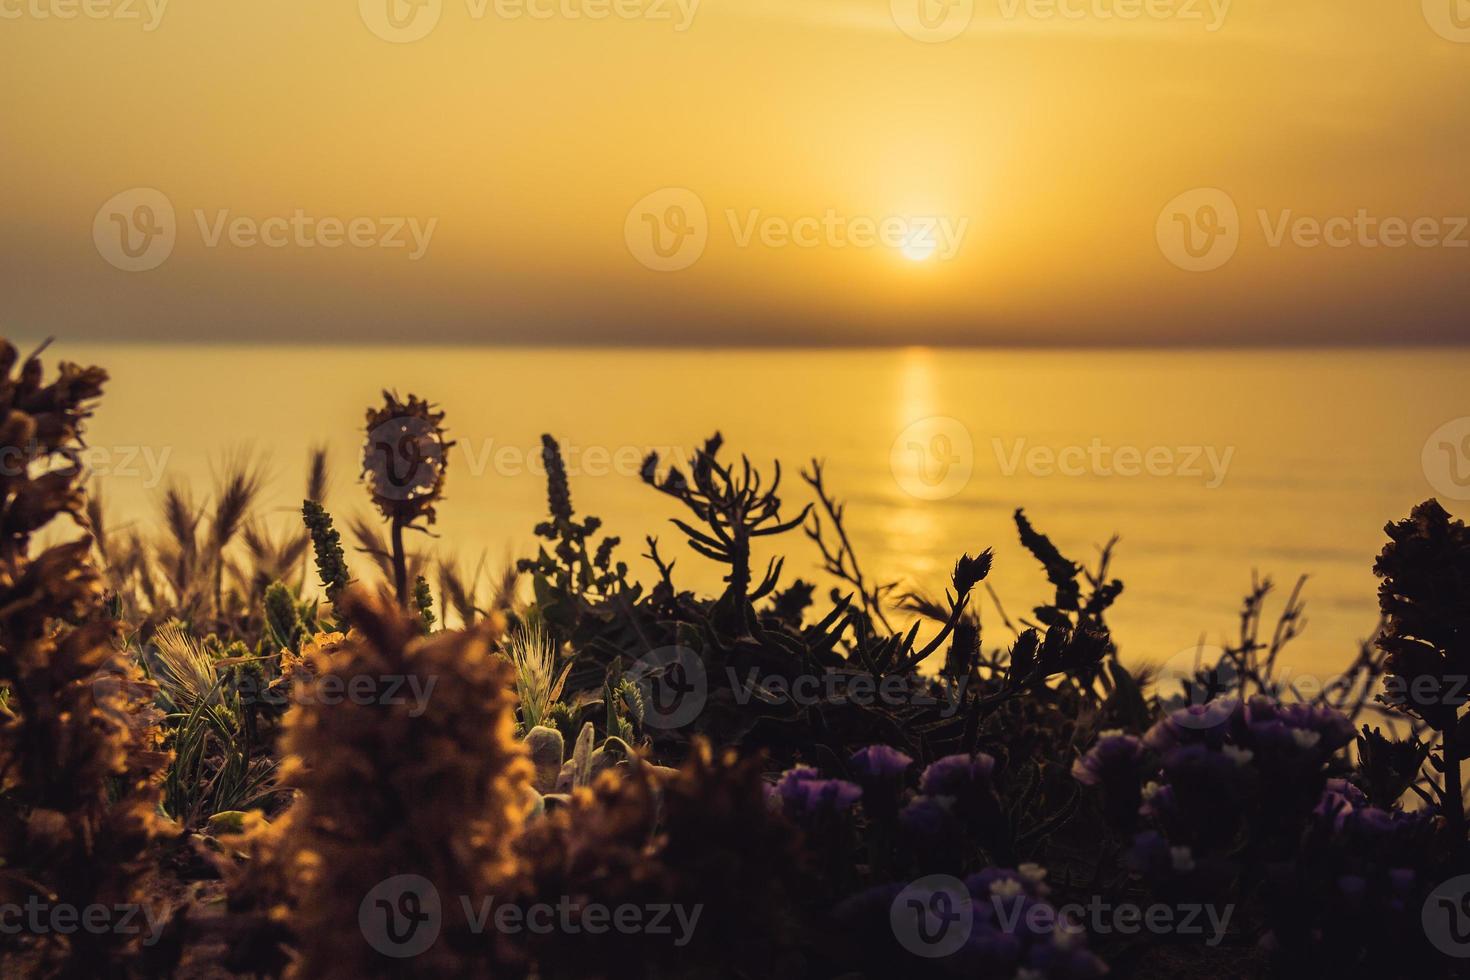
x: 957, y: 775
x: 1197, y: 723
x: 927, y: 816
x: 1297, y: 728
x: 805, y: 793
x: 1340, y: 799
x: 880, y: 763
x: 1112, y: 760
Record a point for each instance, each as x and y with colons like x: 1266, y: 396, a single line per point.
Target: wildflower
x: 403, y: 464
x: 804, y: 792
x: 1114, y: 765
x: 79, y: 744
x: 1268, y: 723
x: 1031, y: 873
x: 354, y: 764
x: 1114, y: 758
x: 1196, y: 723
x: 405, y: 457
x: 880, y: 771
x: 928, y: 816
x: 957, y: 775
x: 1305, y: 739
x: 1237, y: 755
x: 1006, y: 888
x: 326, y: 544
x: 969, y: 572
x: 558, y: 493
x: 880, y: 763
x: 1181, y: 858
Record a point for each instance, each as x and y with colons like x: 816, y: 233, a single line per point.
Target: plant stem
x: 1453, y: 797
x: 400, y: 564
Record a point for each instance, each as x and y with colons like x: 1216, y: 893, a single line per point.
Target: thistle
x: 403, y: 464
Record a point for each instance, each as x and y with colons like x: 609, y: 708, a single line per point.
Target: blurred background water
x: 1207, y: 464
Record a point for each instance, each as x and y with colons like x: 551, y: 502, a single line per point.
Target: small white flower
x: 1005, y: 888
x: 1150, y: 790
x: 1182, y: 858
x: 1305, y: 739
x: 1237, y: 755
x: 1109, y: 733
x: 1066, y: 934
x: 1032, y: 872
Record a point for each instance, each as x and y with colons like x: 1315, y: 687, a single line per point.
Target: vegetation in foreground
x: 230, y: 752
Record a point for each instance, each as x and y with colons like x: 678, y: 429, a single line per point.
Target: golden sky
x: 737, y: 171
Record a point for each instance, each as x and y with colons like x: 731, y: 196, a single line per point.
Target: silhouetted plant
x: 1425, y: 599
x: 571, y: 570
x: 403, y: 464
x: 435, y: 787
x: 735, y: 508
x: 79, y: 752
x: 326, y: 542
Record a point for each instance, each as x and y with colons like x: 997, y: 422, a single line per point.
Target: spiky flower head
x: 405, y: 457
x: 558, y: 493
x: 417, y: 773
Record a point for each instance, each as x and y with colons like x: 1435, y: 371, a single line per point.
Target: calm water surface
x: 1208, y: 465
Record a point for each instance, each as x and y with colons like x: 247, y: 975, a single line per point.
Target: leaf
x: 582, y: 757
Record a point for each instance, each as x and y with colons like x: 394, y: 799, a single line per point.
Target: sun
x: 918, y: 246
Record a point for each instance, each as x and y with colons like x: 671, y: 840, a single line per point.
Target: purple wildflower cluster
x: 1361, y: 871
x: 805, y: 795
x: 1011, y: 930
x: 1231, y: 787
